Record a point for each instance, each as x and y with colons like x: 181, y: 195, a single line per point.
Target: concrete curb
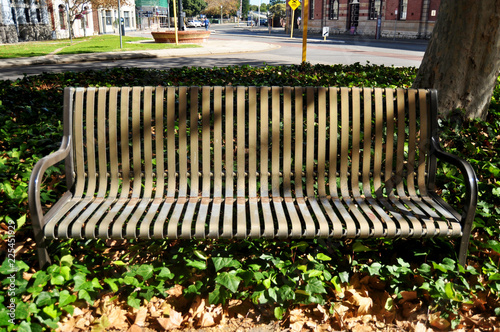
x: 210, y: 47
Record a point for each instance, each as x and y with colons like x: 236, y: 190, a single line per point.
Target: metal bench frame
x: 250, y: 162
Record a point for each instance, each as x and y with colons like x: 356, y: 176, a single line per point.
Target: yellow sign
x: 294, y: 4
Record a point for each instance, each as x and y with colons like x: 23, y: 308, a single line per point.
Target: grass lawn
x: 92, y: 44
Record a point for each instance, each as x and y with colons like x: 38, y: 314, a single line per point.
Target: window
x: 86, y: 16
x: 311, y: 9
x: 374, y: 9
x: 403, y: 9
x: 108, y: 17
x: 27, y: 15
x: 126, y: 16
x: 62, y: 17
x: 334, y: 10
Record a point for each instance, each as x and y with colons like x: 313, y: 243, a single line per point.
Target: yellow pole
x: 305, y: 19
x: 291, y: 25
x: 175, y: 25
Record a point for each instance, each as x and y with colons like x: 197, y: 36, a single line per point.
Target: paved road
x: 257, y: 47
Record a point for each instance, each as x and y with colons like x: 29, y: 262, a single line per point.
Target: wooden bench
x: 250, y: 162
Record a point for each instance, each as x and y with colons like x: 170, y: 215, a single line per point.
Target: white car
x: 194, y: 24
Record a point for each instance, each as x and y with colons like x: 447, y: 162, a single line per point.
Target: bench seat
x: 250, y: 162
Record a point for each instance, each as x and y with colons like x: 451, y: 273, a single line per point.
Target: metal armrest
x: 36, y: 179
x: 470, y: 180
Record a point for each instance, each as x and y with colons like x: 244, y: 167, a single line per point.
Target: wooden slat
x: 240, y: 230
x: 309, y: 229
x: 288, y: 158
x: 227, y: 222
x: 269, y: 229
x: 282, y: 225
x: 187, y: 221
x: 253, y: 149
x: 213, y: 224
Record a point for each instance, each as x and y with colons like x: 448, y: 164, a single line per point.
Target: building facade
x: 62, y: 13
x: 386, y: 18
x: 107, y: 19
x: 24, y: 20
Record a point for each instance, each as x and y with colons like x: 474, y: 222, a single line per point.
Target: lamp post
x: 220, y: 14
x: 120, y: 25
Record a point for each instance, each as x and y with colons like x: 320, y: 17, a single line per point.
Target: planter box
x: 185, y: 37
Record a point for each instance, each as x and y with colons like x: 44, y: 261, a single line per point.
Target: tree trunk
x: 462, y: 60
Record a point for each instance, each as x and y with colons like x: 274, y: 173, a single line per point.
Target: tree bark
x: 462, y: 60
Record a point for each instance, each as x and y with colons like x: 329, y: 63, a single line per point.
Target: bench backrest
x: 238, y: 142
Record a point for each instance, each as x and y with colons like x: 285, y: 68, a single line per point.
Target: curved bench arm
x: 36, y: 178
x: 471, y: 194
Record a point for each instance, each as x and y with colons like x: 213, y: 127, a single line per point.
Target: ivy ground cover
x: 297, y: 285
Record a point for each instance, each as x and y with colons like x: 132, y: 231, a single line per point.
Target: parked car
x: 263, y: 21
x: 194, y: 24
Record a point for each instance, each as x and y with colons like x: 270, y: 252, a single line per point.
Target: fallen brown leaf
x: 438, y: 322
x: 140, y: 317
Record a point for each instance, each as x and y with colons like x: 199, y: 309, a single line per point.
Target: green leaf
x: 358, y: 247
x: 67, y: 260
x: 374, y: 268
x: 51, y: 311
x: 286, y: 293
x: 315, y: 286
x: 133, y: 301
x: 57, y: 280
x: 145, y: 271
x: 219, y: 295
x: 69, y: 309
x: 495, y: 245
x: 266, y: 283
x: 222, y: 262
x: 165, y: 274
x: 65, y: 271
x: 44, y: 299
x: 425, y: 269
x: 85, y: 295
x: 271, y: 293
x: 229, y: 280
x: 119, y: 263
x: 200, y: 254
x: 314, y: 273
x: 323, y: 257
x: 22, y: 310
x: 24, y: 327
x: 344, y: 277
x: 65, y: 298
x: 112, y: 284
x: 279, y: 313
x: 200, y: 265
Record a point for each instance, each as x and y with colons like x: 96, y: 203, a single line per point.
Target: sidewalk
x: 210, y: 47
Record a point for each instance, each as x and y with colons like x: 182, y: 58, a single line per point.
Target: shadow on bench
x: 250, y: 162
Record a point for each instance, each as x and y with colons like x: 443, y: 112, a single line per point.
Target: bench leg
x: 463, y: 249
x: 43, y: 255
